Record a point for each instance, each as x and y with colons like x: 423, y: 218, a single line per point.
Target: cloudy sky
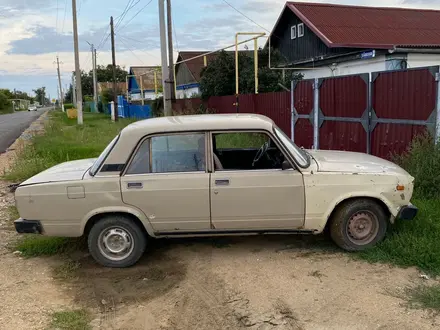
x: 34, y: 32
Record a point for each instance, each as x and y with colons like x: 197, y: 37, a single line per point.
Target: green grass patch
x: 71, y: 320
x: 412, y: 243
x: 36, y: 245
x: 424, y: 296
x: 64, y: 141
x: 12, y: 213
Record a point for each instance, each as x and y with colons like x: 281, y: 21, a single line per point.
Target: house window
x: 396, y: 62
x: 301, y: 30
x: 293, y: 32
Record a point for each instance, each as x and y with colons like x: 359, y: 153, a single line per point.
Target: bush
x: 422, y: 161
x: 68, y: 106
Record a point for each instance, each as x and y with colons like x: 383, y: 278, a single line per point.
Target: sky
x: 34, y: 32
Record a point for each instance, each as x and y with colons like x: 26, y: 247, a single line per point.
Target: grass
x: 65, y: 141
x: 412, y: 243
x: 36, y: 245
x: 67, y: 270
x: 71, y: 320
x: 12, y: 213
x: 423, y: 296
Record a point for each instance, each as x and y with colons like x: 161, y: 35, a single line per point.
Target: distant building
x: 340, y: 40
x: 151, y: 82
x: 120, y: 87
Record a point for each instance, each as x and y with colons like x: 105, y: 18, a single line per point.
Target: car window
x: 170, y: 153
x: 300, y: 155
x: 245, y: 151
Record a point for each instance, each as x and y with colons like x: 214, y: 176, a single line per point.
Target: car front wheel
x: 358, y: 225
x: 116, y: 241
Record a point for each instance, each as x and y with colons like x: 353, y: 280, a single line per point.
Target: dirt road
x: 257, y: 282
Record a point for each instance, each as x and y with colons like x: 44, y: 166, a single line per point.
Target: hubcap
x: 362, y: 227
x: 115, y: 243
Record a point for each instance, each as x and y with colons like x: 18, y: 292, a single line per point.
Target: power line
x: 131, y: 51
x: 241, y: 13
x: 124, y: 12
x: 138, y: 12
x: 144, y: 51
x: 64, y: 18
x: 175, y: 37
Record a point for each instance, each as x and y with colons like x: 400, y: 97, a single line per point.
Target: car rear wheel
x: 358, y: 225
x: 116, y: 241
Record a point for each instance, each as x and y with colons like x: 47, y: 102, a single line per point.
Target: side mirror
x: 285, y: 165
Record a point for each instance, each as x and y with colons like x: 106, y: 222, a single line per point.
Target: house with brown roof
x: 339, y: 40
x: 146, y: 79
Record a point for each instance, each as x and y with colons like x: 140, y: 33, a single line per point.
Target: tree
x: 5, y: 102
x: 40, y: 95
x: 218, y: 78
x: 103, y: 74
x: 68, y: 97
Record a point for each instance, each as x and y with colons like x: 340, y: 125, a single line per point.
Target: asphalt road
x: 13, y: 124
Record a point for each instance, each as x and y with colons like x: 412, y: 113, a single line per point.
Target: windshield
x: 97, y: 164
x: 300, y: 155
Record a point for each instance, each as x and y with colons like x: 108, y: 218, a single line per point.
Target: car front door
x: 249, y: 195
x: 167, y: 179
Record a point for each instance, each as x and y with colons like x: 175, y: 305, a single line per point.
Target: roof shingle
x: 373, y: 27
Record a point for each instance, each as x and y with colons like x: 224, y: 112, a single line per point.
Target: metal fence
x: 377, y: 113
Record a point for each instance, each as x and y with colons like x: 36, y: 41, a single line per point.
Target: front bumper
x: 23, y: 226
x: 408, y: 212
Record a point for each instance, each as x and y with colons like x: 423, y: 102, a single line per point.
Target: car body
x: 207, y: 175
x: 32, y: 108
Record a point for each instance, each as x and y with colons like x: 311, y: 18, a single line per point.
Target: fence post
x: 316, y: 114
x: 369, y: 107
x: 437, y: 106
x: 112, y: 110
x: 292, y: 114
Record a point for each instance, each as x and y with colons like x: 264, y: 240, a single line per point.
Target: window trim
x: 302, y: 30
x: 268, y: 133
x: 136, y: 148
x: 293, y: 32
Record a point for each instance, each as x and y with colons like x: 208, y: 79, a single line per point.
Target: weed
x: 67, y: 270
x: 71, y: 320
x: 35, y: 245
x: 424, y: 296
x: 12, y: 213
x: 317, y: 274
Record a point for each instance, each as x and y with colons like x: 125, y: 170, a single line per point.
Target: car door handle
x: 134, y: 185
x: 222, y: 182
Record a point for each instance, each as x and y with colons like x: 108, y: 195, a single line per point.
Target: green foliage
x: 68, y: 106
x: 71, y: 320
x: 218, y: 78
x: 422, y: 161
x: 157, y: 107
x: 40, y: 95
x: 65, y: 141
x: 5, y: 103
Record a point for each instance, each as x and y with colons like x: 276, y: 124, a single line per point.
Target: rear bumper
x: 408, y: 212
x: 23, y: 226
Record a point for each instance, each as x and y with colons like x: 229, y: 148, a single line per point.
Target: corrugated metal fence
x: 380, y: 115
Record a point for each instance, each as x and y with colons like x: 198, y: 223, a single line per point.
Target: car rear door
x: 168, y: 181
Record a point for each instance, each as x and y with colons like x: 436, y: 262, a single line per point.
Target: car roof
x: 198, y: 123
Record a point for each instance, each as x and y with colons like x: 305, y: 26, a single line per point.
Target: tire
x: 358, y: 225
x: 116, y: 241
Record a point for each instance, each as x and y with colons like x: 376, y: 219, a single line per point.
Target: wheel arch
x: 135, y: 215
x: 342, y: 201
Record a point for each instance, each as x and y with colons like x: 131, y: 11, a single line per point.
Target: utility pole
x: 77, y: 68
x: 163, y: 53
x: 172, y: 92
x: 95, y: 82
x: 59, y: 83
x: 73, y: 89
x: 95, y: 98
x: 114, y: 68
